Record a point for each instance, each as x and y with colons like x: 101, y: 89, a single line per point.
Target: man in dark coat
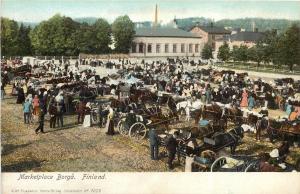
x: 154, y: 143
x: 171, y: 145
x: 21, y: 96
x: 41, y: 123
x: 80, y: 112
x: 52, y: 112
x: 59, y: 114
x: 130, y: 119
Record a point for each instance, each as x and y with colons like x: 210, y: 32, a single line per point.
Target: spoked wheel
x: 122, y: 129
x: 252, y: 167
x: 138, y: 131
x: 218, y: 163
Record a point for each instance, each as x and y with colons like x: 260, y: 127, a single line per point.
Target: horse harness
x: 234, y: 135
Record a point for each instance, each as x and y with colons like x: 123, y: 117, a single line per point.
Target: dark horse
x: 213, y: 112
x: 228, y: 139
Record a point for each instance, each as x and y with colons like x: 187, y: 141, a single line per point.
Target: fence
x: 269, y: 68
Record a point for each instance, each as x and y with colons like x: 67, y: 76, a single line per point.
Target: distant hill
x: 187, y: 23
x: 31, y: 24
x: 260, y: 23
x: 246, y: 23
x: 89, y: 20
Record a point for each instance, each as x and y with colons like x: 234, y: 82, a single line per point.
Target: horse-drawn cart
x: 284, y: 129
x: 234, y: 164
x: 138, y: 128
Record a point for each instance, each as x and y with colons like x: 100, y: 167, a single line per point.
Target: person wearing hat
x: 80, y: 111
x: 130, y: 119
x: 41, y: 122
x: 154, y: 144
x: 52, y: 113
x: 110, y: 121
x: 171, y: 145
x: 274, y: 154
x: 294, y: 115
x: 2, y: 90
x: 244, y: 102
x: 251, y: 102
x: 36, y: 105
x: 288, y: 107
x: 59, y: 114
x: 264, y: 165
x: 259, y: 126
x: 27, y: 110
x: 87, y: 115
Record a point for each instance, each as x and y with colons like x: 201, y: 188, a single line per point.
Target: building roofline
x: 202, y: 27
x: 199, y: 37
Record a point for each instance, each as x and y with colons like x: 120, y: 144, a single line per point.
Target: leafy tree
x: 207, y: 52
x: 24, y: 42
x: 243, y: 53
x: 9, y: 37
x: 54, y: 36
x: 93, y: 39
x: 123, y: 32
x: 224, y: 52
x: 289, y: 47
x: 103, y: 36
x: 269, y: 43
x: 235, y: 53
x: 240, y: 53
x: 84, y: 39
x: 256, y: 53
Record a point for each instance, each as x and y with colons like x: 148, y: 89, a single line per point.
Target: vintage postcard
x: 138, y: 96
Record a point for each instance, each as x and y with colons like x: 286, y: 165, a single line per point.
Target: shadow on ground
x: 9, y: 148
x: 21, y: 166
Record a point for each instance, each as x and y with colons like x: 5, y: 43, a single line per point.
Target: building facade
x: 165, y: 42
x: 246, y: 38
x: 211, y: 34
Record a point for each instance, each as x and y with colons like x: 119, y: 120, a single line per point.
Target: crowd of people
x: 173, y: 77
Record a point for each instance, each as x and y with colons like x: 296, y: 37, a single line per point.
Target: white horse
x: 192, y: 105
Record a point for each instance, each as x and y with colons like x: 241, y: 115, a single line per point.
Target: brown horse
x: 283, y: 129
x: 234, y: 114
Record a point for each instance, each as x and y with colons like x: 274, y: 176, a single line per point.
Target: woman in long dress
x: 87, y: 117
x: 244, y: 102
x: 110, y: 122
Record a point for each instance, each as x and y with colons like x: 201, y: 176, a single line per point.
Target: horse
x: 288, y: 131
x: 234, y: 114
x: 193, y: 105
x: 228, y: 139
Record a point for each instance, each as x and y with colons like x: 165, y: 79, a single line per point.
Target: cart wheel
x: 138, y: 131
x: 218, y: 163
x: 252, y: 167
x: 121, y: 128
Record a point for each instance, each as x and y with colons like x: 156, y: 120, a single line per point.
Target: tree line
x: 277, y: 49
x: 61, y: 35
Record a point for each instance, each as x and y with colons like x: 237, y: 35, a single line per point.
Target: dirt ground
x: 74, y: 148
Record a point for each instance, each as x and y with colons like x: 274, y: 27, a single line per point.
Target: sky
x: 143, y: 10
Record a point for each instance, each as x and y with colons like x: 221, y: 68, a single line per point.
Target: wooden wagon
x: 138, y: 130
x: 283, y: 129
